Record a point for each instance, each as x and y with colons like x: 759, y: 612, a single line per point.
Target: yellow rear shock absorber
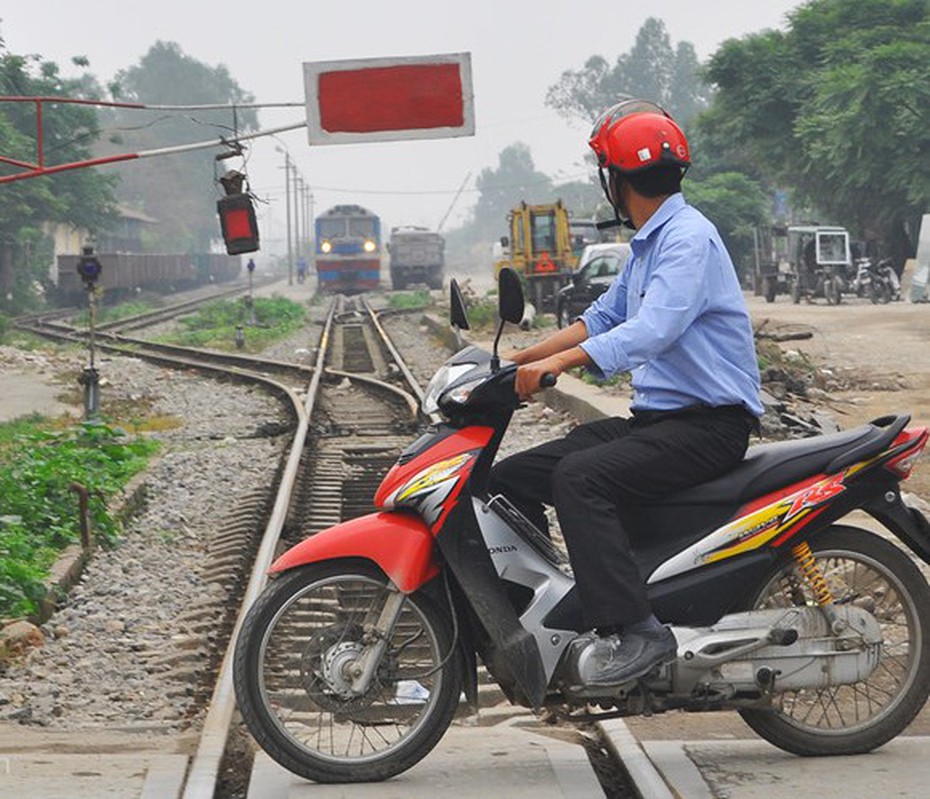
x: 807, y: 564
x: 812, y: 573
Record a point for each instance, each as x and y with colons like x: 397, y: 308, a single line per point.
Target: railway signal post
x: 89, y: 269
x: 250, y: 267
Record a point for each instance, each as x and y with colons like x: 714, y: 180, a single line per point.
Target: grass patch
x: 38, y: 509
x: 410, y: 300
x: 113, y: 313
x: 214, y: 325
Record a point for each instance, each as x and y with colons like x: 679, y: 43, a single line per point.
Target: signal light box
x: 389, y: 99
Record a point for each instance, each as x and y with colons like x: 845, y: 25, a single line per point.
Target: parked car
x: 598, y: 266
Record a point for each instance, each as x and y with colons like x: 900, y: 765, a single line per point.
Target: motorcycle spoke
x: 838, y: 708
x: 314, y: 643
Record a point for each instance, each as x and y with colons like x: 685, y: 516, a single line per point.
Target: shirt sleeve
x: 673, y: 297
x: 608, y: 310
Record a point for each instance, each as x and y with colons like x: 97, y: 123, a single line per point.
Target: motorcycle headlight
x: 460, y: 394
x: 448, y: 373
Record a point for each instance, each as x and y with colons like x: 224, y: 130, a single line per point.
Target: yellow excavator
x: 539, y: 248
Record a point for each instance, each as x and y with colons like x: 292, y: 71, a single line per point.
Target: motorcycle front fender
x: 399, y: 543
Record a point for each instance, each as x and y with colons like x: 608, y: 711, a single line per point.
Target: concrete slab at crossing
x: 754, y: 769
x: 468, y: 763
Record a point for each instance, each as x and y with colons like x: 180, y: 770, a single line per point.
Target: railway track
x: 351, y: 427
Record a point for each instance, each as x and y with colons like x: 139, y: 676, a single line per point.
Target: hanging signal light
x: 237, y: 216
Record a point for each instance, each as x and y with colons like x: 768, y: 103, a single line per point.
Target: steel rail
x: 205, y: 763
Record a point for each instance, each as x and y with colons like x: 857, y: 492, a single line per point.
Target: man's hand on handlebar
x: 531, y: 377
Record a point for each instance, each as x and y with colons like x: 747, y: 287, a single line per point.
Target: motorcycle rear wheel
x: 863, y: 568
x: 292, y: 675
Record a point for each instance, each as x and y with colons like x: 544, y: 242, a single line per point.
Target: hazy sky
x: 518, y: 49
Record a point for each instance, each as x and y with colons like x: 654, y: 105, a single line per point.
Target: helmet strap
x: 622, y: 221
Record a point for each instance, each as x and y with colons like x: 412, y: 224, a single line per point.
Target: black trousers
x: 607, y: 464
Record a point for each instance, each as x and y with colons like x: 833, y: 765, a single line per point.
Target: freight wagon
x: 125, y: 274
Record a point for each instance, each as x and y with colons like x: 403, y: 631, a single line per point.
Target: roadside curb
x: 647, y: 780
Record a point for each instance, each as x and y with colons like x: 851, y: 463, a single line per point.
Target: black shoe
x: 620, y: 658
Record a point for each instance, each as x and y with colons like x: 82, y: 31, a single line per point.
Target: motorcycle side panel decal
x: 433, y: 492
x: 818, y: 494
x: 774, y: 522
x: 400, y: 476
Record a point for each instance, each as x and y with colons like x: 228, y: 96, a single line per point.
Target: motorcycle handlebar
x: 548, y: 380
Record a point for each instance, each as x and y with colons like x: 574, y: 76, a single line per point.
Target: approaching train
x: 123, y: 274
x: 348, y: 250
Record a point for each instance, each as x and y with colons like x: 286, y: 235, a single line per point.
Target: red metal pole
x: 39, y: 138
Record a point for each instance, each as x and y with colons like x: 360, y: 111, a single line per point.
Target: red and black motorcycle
x: 354, y: 660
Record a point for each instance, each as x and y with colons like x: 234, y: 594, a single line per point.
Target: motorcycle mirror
x: 510, y: 296
x: 457, y: 314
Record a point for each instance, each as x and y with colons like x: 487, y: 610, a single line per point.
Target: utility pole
x: 299, y: 214
x: 287, y: 194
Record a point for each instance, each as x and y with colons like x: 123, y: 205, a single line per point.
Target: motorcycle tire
x: 881, y: 293
x: 292, y: 665
x: 863, y: 568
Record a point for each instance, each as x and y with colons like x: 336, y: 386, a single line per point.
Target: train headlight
x: 369, y: 246
x: 326, y: 246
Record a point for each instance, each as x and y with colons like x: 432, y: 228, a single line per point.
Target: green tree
x: 499, y: 190
x: 81, y: 198
x: 736, y: 204
x: 653, y: 69
x: 178, y: 190
x: 836, y: 108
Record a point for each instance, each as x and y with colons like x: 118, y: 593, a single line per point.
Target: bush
x: 39, y: 511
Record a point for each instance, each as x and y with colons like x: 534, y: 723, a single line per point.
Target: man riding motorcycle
x: 675, y: 318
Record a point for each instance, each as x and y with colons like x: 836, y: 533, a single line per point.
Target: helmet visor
x: 623, y: 109
x: 604, y: 123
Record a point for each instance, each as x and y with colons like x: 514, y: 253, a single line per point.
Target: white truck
x: 417, y: 255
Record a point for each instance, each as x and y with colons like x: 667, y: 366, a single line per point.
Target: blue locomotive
x: 348, y: 250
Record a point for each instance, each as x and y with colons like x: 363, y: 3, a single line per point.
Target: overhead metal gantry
x: 40, y: 168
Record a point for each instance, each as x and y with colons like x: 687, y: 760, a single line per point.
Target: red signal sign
x: 384, y: 99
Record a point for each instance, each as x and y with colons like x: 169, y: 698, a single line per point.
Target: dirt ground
x: 880, y: 354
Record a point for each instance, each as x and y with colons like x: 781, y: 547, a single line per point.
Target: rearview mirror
x: 510, y: 296
x: 457, y: 314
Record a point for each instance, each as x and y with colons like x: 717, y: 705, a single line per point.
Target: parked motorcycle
x: 876, y: 280
x: 352, y: 663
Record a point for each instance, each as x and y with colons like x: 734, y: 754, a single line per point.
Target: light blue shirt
x: 675, y: 318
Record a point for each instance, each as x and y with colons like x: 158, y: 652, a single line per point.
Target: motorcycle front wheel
x: 293, y: 671
x: 879, y: 293
x: 871, y: 573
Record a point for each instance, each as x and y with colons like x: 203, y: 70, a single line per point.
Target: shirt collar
x: 672, y: 205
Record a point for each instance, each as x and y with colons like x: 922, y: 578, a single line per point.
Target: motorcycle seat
x: 769, y: 467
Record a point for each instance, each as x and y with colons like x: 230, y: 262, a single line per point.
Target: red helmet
x: 636, y: 134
